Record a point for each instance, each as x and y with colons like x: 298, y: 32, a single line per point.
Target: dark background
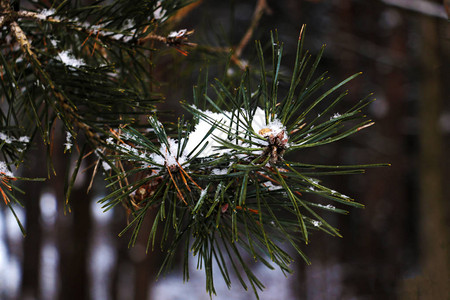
x: 395, y: 248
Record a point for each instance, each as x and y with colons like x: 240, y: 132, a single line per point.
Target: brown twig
x: 176, y: 186
x: 183, y: 12
x: 153, y: 37
x: 187, y: 175
x: 261, y: 7
x: 176, y: 39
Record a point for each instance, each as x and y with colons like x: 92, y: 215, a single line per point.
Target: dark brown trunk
x: 74, y: 231
x: 32, y: 244
x: 434, y: 281
x: 145, y: 265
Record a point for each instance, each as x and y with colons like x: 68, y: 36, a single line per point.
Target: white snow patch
x: 314, y: 181
x: 128, y: 24
x: 4, y: 170
x: 110, y: 141
x: 45, y: 13
x: 271, y: 187
x: 6, y: 138
x: 218, y: 171
x: 265, y: 129
x: 212, y: 141
x: 229, y: 120
x: 329, y: 206
x: 24, y: 139
x: 68, y: 143
x: 169, y: 156
x: 119, y: 36
x: 54, y: 42
x: 179, y: 33
x: 159, y: 13
x: 106, y: 166
x: 203, y: 193
x: 10, y: 139
x: 335, y: 116
x: 316, y: 223
x: 67, y: 58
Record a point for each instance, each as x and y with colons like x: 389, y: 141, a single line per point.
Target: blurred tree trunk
x: 134, y: 270
x: 146, y: 266
x: 384, y: 219
x: 74, y: 231
x: 74, y: 262
x: 434, y: 282
x: 32, y: 244
x: 121, y: 270
x: 378, y: 231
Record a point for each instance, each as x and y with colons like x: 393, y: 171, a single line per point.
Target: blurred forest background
x: 395, y: 248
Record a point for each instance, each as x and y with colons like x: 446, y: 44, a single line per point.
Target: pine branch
x: 221, y: 186
x: 63, y: 63
x: 225, y: 178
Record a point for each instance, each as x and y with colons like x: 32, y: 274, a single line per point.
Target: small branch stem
x: 261, y: 7
x: 154, y: 37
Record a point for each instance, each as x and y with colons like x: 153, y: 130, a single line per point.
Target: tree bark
x: 74, y: 232
x: 32, y: 244
x: 434, y: 281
